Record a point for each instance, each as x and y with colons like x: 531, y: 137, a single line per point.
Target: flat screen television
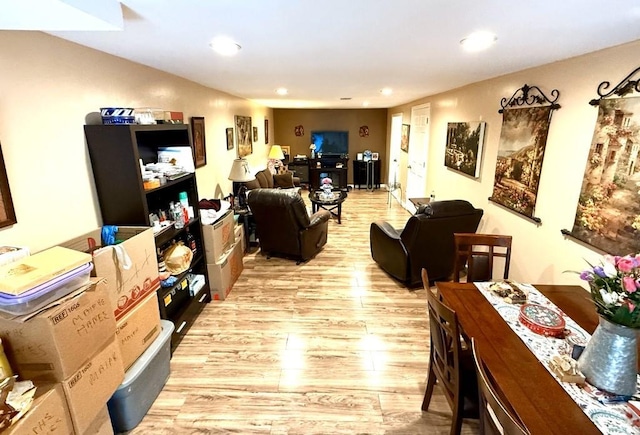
x: 331, y: 142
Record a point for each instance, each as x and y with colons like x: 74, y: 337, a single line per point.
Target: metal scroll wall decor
x: 521, y: 149
x: 608, y: 211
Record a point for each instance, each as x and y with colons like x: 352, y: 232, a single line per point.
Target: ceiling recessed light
x: 282, y: 91
x: 386, y: 91
x: 224, y: 46
x: 478, y: 41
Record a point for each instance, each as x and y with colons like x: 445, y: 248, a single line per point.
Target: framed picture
x: 375, y: 156
x: 7, y: 213
x: 243, y: 135
x: 286, y: 150
x: 199, y: 150
x: 463, y: 150
x: 266, y: 131
x: 255, y: 134
x: 404, y: 138
x: 229, y: 132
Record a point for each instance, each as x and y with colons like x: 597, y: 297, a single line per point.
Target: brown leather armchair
x: 283, y: 225
x: 426, y: 241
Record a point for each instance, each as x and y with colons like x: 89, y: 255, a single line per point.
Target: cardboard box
x: 239, y: 231
x: 48, y: 414
x: 101, y: 425
x: 218, y: 237
x: 127, y: 287
x: 55, y: 342
x: 90, y: 387
x: 137, y: 330
x: 225, y: 273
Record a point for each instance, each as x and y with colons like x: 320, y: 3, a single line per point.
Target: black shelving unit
x: 369, y: 177
x: 115, y: 152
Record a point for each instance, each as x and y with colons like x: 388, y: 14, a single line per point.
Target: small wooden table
x: 538, y: 399
x: 420, y: 201
x: 333, y: 206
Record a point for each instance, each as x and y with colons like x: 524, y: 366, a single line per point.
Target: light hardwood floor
x: 332, y: 346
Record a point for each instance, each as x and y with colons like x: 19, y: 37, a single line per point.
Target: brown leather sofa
x: 266, y: 180
x: 283, y: 225
x: 425, y: 241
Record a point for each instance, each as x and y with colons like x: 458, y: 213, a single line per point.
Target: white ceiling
x: 324, y: 50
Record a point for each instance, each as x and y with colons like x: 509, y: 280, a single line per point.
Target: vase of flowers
x: 326, y: 187
x: 610, y: 358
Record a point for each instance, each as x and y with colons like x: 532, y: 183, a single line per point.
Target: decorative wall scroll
x: 523, y: 140
x: 464, y: 147
x: 608, y: 211
x: 244, y: 133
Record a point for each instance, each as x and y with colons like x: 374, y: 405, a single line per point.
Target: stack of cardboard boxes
x: 224, y: 254
x: 77, y: 351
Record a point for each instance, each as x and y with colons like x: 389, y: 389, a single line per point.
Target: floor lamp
x: 240, y: 173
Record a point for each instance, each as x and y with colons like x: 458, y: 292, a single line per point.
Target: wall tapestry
x: 244, y: 133
x: 463, y: 150
x: 523, y: 140
x: 608, y: 212
x: 520, y: 152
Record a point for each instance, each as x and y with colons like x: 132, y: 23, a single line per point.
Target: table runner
x: 609, y: 418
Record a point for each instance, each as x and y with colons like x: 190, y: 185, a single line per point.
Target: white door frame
x: 418, y: 153
x: 394, y: 156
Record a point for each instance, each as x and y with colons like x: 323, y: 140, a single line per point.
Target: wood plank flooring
x: 332, y: 346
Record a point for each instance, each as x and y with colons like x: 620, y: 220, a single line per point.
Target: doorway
x: 393, y: 183
x: 418, y: 151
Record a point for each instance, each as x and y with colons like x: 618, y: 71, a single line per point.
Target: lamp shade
x: 276, y: 153
x: 240, y: 171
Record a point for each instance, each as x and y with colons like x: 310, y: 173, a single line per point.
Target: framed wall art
x: 266, y: 131
x: 404, y: 138
x: 255, y: 134
x: 243, y: 135
x: 7, y: 213
x: 229, y: 132
x: 199, y: 150
x: 463, y: 149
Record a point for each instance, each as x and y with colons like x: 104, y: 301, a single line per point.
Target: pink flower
x: 629, y: 284
x: 630, y: 306
x: 626, y: 264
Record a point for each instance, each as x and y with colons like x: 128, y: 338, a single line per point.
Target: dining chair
x: 449, y: 364
x: 496, y: 416
x: 477, y: 252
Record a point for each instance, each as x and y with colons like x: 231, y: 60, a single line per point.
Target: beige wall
x: 541, y: 253
x: 48, y: 86
x: 338, y: 119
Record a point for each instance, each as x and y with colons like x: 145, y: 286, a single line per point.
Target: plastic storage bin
x: 45, y: 293
x: 142, y: 383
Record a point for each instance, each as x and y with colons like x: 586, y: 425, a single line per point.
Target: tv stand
x: 325, y: 166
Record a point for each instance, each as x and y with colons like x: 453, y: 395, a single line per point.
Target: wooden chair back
x: 477, y: 252
x: 496, y: 417
x: 445, y: 347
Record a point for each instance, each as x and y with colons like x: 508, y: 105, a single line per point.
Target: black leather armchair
x: 283, y: 225
x: 426, y: 241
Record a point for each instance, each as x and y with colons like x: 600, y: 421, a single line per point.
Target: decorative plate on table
x: 542, y: 320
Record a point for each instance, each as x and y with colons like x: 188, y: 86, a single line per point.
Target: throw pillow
x: 283, y: 180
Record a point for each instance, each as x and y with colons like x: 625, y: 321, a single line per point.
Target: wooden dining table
x: 534, y: 394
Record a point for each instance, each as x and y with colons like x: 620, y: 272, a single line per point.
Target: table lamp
x: 275, y: 158
x: 241, y: 173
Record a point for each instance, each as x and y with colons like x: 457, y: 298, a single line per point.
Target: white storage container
x: 43, y: 294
